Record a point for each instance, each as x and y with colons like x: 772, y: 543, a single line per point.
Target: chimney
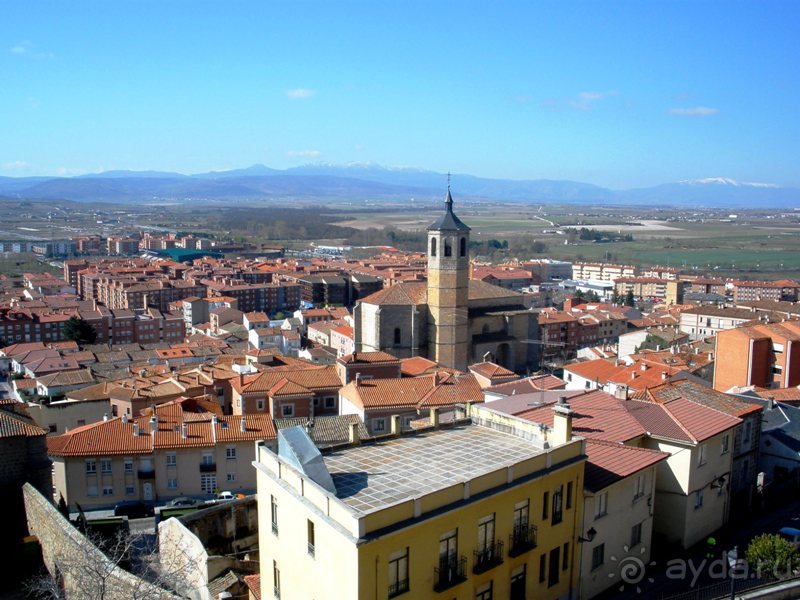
x: 184, y: 430
x: 354, y: 436
x: 621, y: 391
x: 214, y: 428
x: 663, y: 375
x: 643, y: 367
x: 436, y: 377
x: 135, y: 429
x: 562, y: 423
x: 770, y: 402
x: 633, y: 375
x: 435, y: 417
x: 105, y: 416
x: 125, y: 418
x: 696, y: 350
x: 395, y: 424
x: 242, y: 425
x: 358, y: 378
x: 153, y: 424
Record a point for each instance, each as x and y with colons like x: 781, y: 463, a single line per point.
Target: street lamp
x: 733, y: 559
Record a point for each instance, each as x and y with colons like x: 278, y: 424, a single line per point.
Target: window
x: 274, y: 514
x: 260, y: 404
x: 396, y: 336
x: 569, y: 495
x: 486, y: 536
x: 698, y: 499
x: 448, y: 547
x: 545, y: 505
x: 230, y: 452
x: 518, y: 583
x: 91, y: 466
x: 330, y: 402
x: 172, y: 483
x: 448, y: 247
x: 542, y: 567
x: 108, y: 490
x: 565, y: 557
x: 208, y: 482
x: 91, y: 490
x: 128, y: 465
x: 311, y: 537
x: 105, y: 465
x: 553, y: 571
x: 378, y: 425
x: 636, y: 535
x: 276, y: 579
x: 725, y: 446
x: 398, y: 573
x: 557, y: 504
x: 598, y: 556
x: 287, y: 410
x: 52, y: 428
x: 748, y: 430
x: 521, y: 514
x: 701, y: 455
x: 230, y: 477
x: 433, y: 246
x: 172, y: 459
x: 129, y: 490
x: 462, y: 251
x: 638, y: 491
x: 484, y: 592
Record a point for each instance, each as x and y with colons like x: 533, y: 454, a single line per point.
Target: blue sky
x: 621, y: 94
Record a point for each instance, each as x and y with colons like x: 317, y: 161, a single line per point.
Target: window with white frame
x: 601, y: 504
x: 260, y: 404
x: 108, y: 490
x: 91, y: 466
x: 701, y: 455
x: 398, y: 573
x: 378, y: 425
x: 128, y: 465
x: 172, y: 459
x: 287, y: 410
x: 230, y: 452
x: 208, y: 483
x: 230, y: 477
x: 207, y: 458
x: 330, y: 402
x: 130, y: 490
x: 105, y: 465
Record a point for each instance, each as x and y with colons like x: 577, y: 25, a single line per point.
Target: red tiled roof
x: 528, y: 384
x: 439, y: 389
x: 609, y: 462
x: 367, y: 357
x: 491, y: 370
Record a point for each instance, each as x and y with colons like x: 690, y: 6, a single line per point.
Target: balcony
x: 311, y: 550
x: 489, y: 556
x: 398, y: 587
x: 208, y: 467
x: 522, y: 539
x: 146, y: 473
x: 450, y: 572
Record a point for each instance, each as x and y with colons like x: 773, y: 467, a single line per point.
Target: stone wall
x: 85, y: 571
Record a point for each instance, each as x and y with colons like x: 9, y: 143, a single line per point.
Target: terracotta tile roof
x: 284, y: 387
x: 114, y: 437
x: 368, y: 358
x: 311, y: 378
x: 702, y: 395
x: 421, y: 392
x: 681, y: 419
x: 253, y: 583
x: 609, y: 462
x: 780, y: 394
x: 12, y: 425
x: 491, y: 370
x: 415, y: 293
x: 327, y: 431
x: 417, y: 365
x: 528, y: 384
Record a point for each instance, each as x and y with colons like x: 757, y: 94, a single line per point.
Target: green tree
x: 772, y: 556
x: 629, y: 299
x: 80, y: 331
x: 615, y: 298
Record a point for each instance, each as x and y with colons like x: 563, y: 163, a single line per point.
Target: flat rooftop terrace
x: 376, y: 475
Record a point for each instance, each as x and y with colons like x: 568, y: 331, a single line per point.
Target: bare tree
x: 126, y: 566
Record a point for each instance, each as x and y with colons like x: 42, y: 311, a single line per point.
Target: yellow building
x: 487, y: 507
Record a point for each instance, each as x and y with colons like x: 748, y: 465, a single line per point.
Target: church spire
x: 448, y: 221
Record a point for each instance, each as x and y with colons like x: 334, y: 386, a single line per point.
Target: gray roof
x: 298, y: 450
x: 448, y: 221
x: 327, y: 430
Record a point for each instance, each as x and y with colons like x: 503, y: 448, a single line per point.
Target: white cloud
x: 694, y: 111
x: 585, y: 100
x: 26, y: 48
x: 15, y: 165
x: 304, y: 153
x: 300, y: 93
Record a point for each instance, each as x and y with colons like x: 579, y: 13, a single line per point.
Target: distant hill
x: 365, y: 181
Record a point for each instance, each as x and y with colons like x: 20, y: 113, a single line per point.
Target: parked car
x: 226, y: 496
x: 184, y: 502
x: 133, y: 509
x: 790, y: 534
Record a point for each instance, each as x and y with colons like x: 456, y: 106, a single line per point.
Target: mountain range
x: 373, y: 182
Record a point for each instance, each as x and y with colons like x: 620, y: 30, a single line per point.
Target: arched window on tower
x: 448, y: 249
x: 396, y: 336
x: 463, y: 249
x: 433, y: 246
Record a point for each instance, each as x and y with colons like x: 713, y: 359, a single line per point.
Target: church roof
x: 448, y: 221
x: 414, y: 293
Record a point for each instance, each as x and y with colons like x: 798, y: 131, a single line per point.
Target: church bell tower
x: 448, y: 281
